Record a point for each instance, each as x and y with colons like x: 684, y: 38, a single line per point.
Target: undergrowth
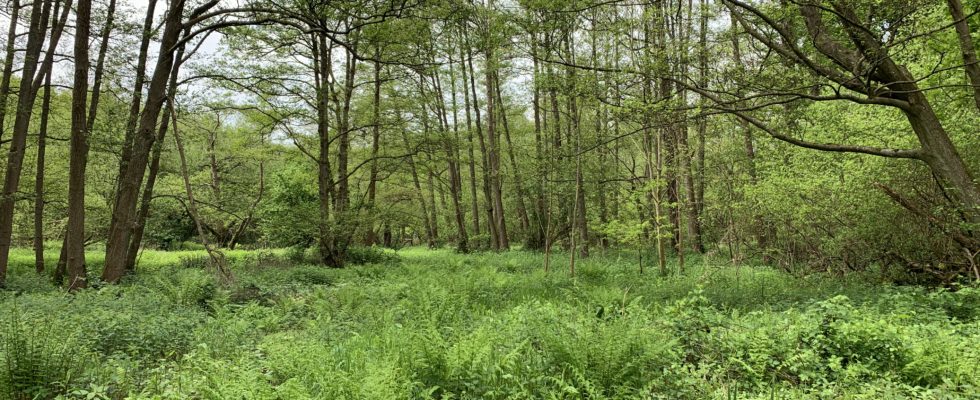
x: 424, y: 324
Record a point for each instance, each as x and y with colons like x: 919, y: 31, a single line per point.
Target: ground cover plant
x: 433, y: 324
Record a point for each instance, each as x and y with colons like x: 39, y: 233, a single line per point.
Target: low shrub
x: 34, y: 363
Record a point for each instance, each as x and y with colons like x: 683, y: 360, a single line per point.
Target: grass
x: 435, y: 324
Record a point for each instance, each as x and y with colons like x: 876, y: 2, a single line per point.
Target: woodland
x: 490, y: 199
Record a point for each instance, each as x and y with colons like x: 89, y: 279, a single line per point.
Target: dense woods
x: 815, y: 137
x: 831, y: 135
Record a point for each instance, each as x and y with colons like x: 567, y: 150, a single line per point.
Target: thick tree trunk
x: 146, y: 199
x: 124, y: 210
x: 941, y: 156
x: 78, y: 157
x: 136, y: 100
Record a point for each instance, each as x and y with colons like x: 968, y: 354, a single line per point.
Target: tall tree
x: 79, y: 148
x: 33, y: 72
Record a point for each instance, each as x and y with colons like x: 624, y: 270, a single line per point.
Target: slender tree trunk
x: 579, y: 212
x: 536, y: 239
x: 970, y: 61
x: 26, y: 97
x: 325, y: 185
x: 493, y: 156
x: 42, y: 136
x: 251, y: 209
x: 491, y: 223
x: 100, y: 63
x: 8, y: 62
x: 474, y: 199
x: 432, y: 215
x: 702, y: 123
x: 372, y: 236
x: 218, y: 261
x: 343, y: 137
x: 418, y: 193
x: 452, y: 157
x: 522, y: 214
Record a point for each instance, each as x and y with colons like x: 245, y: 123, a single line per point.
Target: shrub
x: 359, y: 255
x: 37, y: 364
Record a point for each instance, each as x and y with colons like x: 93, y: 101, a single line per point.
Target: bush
x: 359, y: 255
x: 37, y: 364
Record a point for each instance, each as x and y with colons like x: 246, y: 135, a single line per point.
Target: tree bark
x: 325, y: 185
x: 29, y: 86
x: 42, y: 136
x: 491, y: 224
x: 124, y: 209
x: 474, y: 199
x: 78, y: 158
x: 136, y: 100
x: 493, y: 156
x: 970, y: 62
x: 522, y: 214
x: 450, y: 144
x: 8, y: 62
x: 372, y: 236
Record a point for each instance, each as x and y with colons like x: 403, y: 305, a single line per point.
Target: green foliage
x: 35, y: 364
x: 359, y: 255
x: 436, y: 324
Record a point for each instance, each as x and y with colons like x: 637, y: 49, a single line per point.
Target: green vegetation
x: 657, y: 199
x: 435, y: 324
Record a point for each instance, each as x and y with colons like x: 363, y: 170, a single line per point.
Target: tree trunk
x: 325, y: 185
x: 493, y: 157
x: 970, y: 62
x: 29, y: 86
x: 8, y: 62
x: 42, y: 136
x: 474, y: 199
x: 124, y: 210
x: 78, y: 158
x: 146, y: 199
x: 518, y: 179
x: 537, y: 237
x: 218, y: 261
x: 418, y: 193
x: 136, y: 100
x: 450, y: 144
x: 491, y: 224
x: 372, y: 236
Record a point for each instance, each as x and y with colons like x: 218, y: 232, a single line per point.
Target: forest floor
x: 425, y: 323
